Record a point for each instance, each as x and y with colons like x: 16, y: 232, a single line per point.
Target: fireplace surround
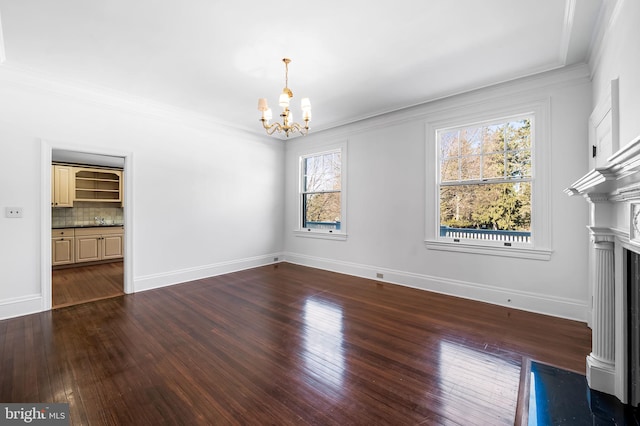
x: 612, y: 192
x: 633, y: 326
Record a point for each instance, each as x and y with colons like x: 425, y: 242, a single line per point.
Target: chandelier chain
x: 286, y: 74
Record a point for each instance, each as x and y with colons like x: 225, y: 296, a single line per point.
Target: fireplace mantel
x: 611, y: 191
x: 607, y: 180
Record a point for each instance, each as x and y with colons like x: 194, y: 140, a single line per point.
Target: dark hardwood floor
x: 88, y: 283
x: 281, y: 345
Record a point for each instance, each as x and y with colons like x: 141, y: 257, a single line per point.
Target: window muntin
x: 485, y: 181
x: 321, y: 191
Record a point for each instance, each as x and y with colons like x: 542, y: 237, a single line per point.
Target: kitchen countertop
x: 87, y: 226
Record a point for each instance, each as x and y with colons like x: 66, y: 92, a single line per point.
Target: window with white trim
x: 485, y: 181
x: 490, y: 192
x: 322, y: 192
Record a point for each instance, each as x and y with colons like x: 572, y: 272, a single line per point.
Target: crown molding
x: 30, y: 79
x: 609, y: 13
x: 525, y: 89
x: 567, y: 28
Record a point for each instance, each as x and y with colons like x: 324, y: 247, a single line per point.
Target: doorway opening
x: 87, y: 283
x: 86, y: 252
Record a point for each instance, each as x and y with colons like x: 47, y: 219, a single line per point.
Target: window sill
x: 518, y: 252
x: 325, y: 235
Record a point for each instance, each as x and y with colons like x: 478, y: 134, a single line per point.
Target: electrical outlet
x: 379, y: 275
x: 13, y: 212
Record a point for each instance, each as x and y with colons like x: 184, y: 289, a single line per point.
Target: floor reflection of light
x: 483, y: 382
x: 323, y: 341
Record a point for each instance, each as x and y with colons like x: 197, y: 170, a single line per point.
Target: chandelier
x: 288, y: 125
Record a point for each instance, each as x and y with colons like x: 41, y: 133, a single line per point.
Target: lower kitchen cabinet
x: 95, y: 244
x: 62, y: 246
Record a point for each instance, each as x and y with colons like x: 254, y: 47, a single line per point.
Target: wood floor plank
x: 282, y: 345
x: 86, y: 283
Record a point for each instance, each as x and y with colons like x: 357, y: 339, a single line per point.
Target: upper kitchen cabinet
x: 62, y: 186
x: 98, y: 185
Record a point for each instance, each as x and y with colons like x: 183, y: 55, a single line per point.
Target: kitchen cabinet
x: 72, y: 183
x: 99, y: 243
x: 62, y: 246
x: 62, y: 186
x: 98, y: 185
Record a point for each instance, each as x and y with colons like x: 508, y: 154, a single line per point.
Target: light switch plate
x: 13, y: 212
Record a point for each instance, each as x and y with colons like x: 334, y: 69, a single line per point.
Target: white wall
x: 206, y: 199
x: 616, y: 56
x: 386, y: 205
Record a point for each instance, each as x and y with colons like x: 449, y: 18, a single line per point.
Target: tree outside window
x: 322, y: 191
x: 485, y: 179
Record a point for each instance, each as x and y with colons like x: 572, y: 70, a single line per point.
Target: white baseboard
x: 149, y: 282
x: 10, y: 308
x: 532, y: 302
x: 564, y: 308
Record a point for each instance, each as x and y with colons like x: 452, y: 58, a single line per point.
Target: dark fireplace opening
x: 633, y: 326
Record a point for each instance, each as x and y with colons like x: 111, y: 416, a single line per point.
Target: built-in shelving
x: 98, y: 185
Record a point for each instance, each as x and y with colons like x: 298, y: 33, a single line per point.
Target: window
x: 488, y: 178
x: 485, y: 181
x: 321, y: 192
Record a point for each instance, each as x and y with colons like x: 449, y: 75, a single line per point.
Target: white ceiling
x: 354, y: 59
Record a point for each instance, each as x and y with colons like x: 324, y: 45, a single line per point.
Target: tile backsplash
x: 85, y: 214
